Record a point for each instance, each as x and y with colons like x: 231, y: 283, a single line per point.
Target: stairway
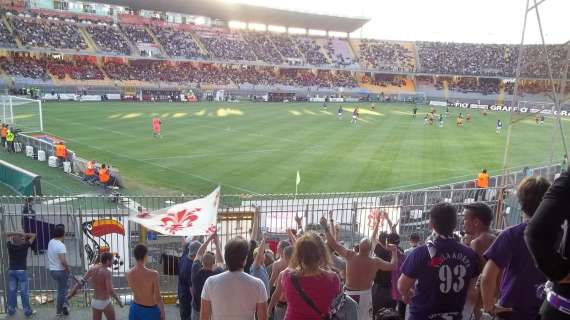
x: 91, y: 46
x: 156, y: 41
x: 199, y: 43
x: 134, y: 49
x: 11, y: 30
x: 417, y: 56
x: 276, y: 48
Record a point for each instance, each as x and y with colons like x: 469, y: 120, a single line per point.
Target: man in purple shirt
x: 521, y: 289
x: 442, y: 271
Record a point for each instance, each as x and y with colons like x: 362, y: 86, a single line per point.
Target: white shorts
x: 354, y: 117
x: 100, y: 304
x: 364, y: 300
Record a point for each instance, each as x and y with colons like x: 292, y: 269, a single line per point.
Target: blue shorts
x: 140, y: 312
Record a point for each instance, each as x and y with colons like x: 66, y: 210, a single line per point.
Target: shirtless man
x: 99, y: 278
x: 477, y: 220
x: 361, y: 268
x: 278, y: 265
x: 147, y: 303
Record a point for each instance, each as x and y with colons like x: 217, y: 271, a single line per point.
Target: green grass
x: 258, y: 148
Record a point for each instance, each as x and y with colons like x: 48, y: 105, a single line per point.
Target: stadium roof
x: 247, y: 13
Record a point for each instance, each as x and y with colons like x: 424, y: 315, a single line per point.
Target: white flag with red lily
x: 192, y: 218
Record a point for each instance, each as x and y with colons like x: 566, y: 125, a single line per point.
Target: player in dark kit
x: 339, y: 113
x: 415, y: 111
x: 442, y: 270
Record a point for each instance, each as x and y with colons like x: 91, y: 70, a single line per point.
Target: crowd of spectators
x: 48, y: 34
x: 24, y: 66
x: 285, y: 45
x: 79, y: 69
x: 137, y: 34
x: 227, y: 46
x: 535, y: 64
x: 467, y: 58
x: 46, y: 29
x: 6, y: 37
x: 389, y: 56
x: 178, y: 43
x: 109, y: 39
x: 312, y: 51
x: 263, y: 47
x: 337, y: 57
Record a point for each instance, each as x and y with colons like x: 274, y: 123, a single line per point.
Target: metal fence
x: 95, y: 222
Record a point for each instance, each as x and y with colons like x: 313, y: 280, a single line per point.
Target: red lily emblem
x: 212, y: 229
x: 179, y: 220
x: 373, y: 217
x: 436, y: 262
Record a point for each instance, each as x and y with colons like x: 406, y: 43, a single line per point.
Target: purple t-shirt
x: 521, y: 282
x: 442, y: 281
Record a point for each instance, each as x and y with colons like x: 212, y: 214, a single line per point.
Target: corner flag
x: 298, y: 178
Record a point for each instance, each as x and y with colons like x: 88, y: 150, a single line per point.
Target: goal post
x: 22, y: 113
x: 413, y: 97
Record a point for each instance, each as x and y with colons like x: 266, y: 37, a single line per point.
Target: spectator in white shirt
x: 58, y: 267
x: 234, y: 294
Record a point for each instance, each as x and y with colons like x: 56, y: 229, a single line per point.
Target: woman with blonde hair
x: 309, y: 284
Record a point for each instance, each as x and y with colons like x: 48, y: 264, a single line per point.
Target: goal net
x: 22, y: 113
x: 413, y: 97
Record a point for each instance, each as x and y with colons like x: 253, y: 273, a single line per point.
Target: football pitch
x: 257, y: 148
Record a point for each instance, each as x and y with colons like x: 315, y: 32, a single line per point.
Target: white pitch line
x: 162, y: 167
x: 200, y: 155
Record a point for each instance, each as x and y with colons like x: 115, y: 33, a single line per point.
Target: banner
x: 537, y: 108
x: 104, y: 234
x: 193, y: 218
x: 437, y: 103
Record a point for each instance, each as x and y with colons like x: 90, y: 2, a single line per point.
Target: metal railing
x: 94, y: 222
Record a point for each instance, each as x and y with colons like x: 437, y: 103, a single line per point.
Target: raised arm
x: 332, y: 242
x: 255, y: 225
x: 374, y: 237
x: 291, y: 236
x: 276, y: 295
x: 202, y: 249
x: 332, y: 225
x: 219, y: 257
x: 260, y: 253
x: 30, y: 237
x: 388, y: 266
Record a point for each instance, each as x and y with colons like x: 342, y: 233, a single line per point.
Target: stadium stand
x: 136, y: 33
x: 311, y: 51
x: 285, y: 45
x: 22, y: 66
x: 467, y: 59
x: 109, y: 39
x: 178, y: 43
x: 226, y: 45
x: 263, y: 47
x: 38, y: 32
x: 339, y: 52
x: 55, y: 30
x: 387, y: 56
x: 6, y: 37
x: 78, y: 69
